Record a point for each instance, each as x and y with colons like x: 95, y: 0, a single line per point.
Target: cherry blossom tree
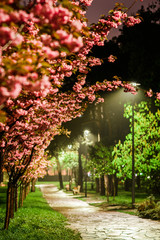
x: 43, y: 43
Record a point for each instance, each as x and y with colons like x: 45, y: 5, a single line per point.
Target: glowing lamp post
x: 133, y: 159
x: 86, y: 134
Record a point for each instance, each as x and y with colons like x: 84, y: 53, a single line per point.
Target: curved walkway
x: 94, y: 224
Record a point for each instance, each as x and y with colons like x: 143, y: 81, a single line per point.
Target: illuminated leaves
x: 146, y: 141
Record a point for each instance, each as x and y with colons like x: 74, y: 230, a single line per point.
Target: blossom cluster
x: 43, y: 34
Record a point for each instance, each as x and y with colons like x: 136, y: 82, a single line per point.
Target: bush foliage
x: 150, y: 209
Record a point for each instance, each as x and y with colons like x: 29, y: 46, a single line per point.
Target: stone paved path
x: 94, y: 224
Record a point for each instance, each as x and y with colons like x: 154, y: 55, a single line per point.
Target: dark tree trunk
x: 80, y: 169
x: 25, y: 190
x: 9, y: 204
x: 1, y: 173
x: 16, y: 197
x: 107, y: 186
x: 127, y: 184
x: 97, y: 185
x: 33, y: 185
x: 114, y: 190
x: 70, y: 182
x: 12, y: 201
x: 102, y: 187
x: 28, y: 187
x: 1, y: 177
x: 114, y: 185
x: 59, y: 173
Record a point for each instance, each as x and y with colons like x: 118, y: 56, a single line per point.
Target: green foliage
x: 146, y: 143
x: 69, y: 159
x: 36, y: 221
x: 100, y: 159
x: 149, y: 209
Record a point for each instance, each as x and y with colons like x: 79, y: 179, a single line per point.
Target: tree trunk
x: 113, y: 186
x: 127, y: 184
x: 9, y: 204
x: 12, y: 201
x: 106, y: 181
x: 25, y: 191
x: 1, y: 177
x: 33, y: 185
x: 16, y: 197
x: 28, y: 187
x: 70, y: 182
x: 1, y: 173
x: 116, y: 185
x: 59, y: 173
x: 80, y: 169
x: 97, y: 185
x: 102, y: 187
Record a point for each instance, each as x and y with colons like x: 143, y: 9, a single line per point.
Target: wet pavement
x: 95, y: 224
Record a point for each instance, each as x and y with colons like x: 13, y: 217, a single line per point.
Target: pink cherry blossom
x: 111, y: 58
x: 149, y: 93
x: 158, y: 96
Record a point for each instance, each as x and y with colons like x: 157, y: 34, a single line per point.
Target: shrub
x: 149, y: 209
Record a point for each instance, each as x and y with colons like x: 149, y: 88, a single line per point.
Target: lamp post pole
x: 133, y: 160
x: 86, y: 134
x: 86, y: 178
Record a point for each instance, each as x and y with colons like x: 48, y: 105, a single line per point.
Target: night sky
x: 99, y: 7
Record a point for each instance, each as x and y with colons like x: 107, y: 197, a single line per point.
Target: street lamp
x: 133, y: 159
x: 86, y: 134
x: 69, y: 146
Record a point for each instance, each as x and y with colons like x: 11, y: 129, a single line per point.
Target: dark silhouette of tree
x: 137, y: 49
x: 140, y: 49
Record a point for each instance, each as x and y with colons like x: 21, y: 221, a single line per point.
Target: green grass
x: 36, y: 220
x: 123, y: 199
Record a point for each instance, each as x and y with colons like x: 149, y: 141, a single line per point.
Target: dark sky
x: 99, y: 7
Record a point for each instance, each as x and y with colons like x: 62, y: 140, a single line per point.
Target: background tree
x: 70, y: 162
x: 147, y: 148
x: 101, y: 162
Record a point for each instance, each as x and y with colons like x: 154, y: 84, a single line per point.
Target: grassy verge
x: 35, y: 221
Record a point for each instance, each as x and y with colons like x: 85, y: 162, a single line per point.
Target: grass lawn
x: 36, y: 220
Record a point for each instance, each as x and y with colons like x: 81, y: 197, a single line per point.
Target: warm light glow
x: 134, y: 84
x: 86, y: 132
